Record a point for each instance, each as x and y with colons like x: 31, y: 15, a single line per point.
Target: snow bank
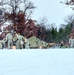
x: 37, y: 62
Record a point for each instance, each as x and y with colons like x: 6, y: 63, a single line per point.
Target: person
x: 26, y: 42
x: 19, y: 43
x: 14, y: 39
x: 9, y: 38
x: 62, y: 45
x: 4, y: 42
x: 1, y: 45
x: 71, y: 41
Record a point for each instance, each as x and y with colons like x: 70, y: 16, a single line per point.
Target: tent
x: 36, y: 42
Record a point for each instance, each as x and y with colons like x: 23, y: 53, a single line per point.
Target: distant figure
x: 19, y: 44
x: 1, y: 45
x: 26, y: 42
x: 71, y: 42
x: 62, y: 44
x: 14, y: 39
x: 9, y: 38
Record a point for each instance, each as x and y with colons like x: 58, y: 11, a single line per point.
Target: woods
x: 18, y: 14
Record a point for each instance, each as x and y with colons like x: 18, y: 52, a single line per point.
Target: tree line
x: 21, y: 21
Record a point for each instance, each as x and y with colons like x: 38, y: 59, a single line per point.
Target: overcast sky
x: 53, y: 10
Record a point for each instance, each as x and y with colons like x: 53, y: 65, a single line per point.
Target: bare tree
x: 70, y: 20
x: 69, y: 3
x: 17, y: 6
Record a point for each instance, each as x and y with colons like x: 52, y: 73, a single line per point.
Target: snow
x: 37, y: 62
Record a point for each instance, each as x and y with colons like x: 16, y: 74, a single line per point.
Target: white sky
x: 53, y: 10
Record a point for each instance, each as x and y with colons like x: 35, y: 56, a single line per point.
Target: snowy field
x: 37, y: 62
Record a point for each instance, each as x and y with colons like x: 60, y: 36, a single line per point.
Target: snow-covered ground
x: 37, y: 62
